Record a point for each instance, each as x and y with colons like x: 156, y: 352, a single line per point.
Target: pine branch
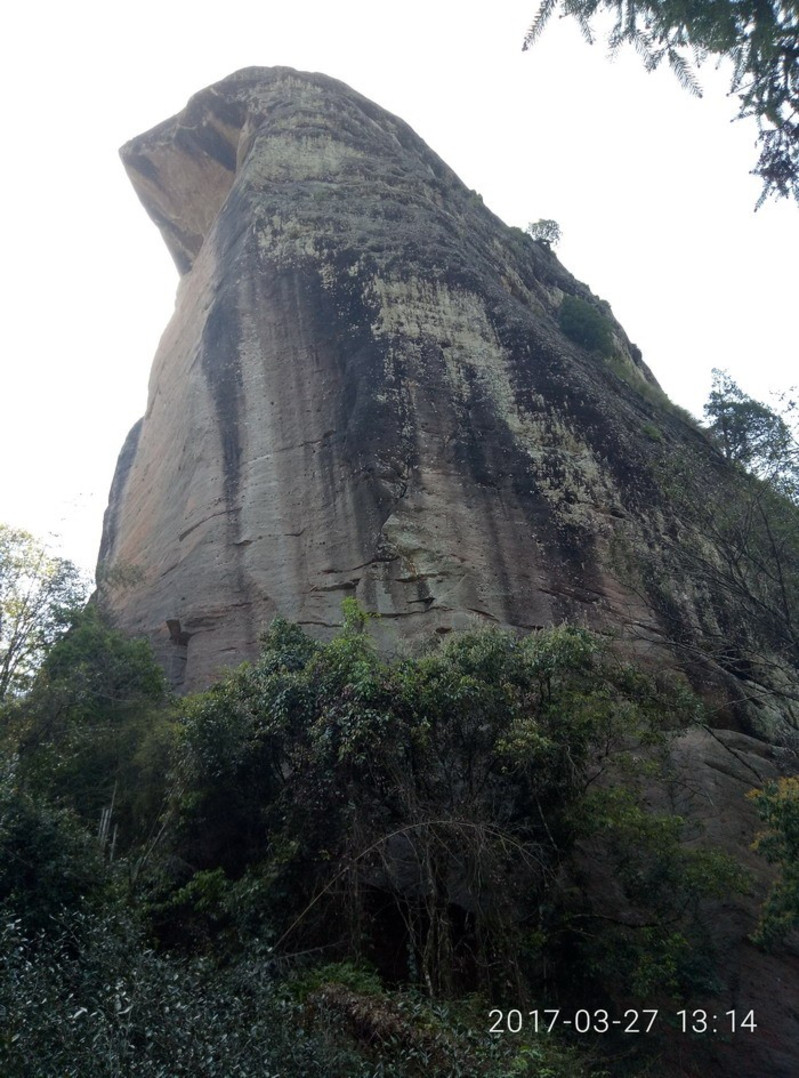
x: 542, y: 17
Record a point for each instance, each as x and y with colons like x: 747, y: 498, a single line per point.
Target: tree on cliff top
x: 545, y: 231
x: 760, y: 37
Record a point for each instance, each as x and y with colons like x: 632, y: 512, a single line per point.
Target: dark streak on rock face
x: 366, y: 447
x: 222, y: 368
x: 141, y: 163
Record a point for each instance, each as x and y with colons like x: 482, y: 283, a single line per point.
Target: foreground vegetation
x: 331, y: 863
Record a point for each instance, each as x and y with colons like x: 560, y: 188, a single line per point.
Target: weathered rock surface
x: 363, y: 391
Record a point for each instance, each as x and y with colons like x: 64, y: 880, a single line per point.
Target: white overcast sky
x: 650, y: 187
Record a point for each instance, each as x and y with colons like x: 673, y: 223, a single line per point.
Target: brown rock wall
x: 363, y: 391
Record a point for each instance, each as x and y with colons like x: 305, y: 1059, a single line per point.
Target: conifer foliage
x: 755, y: 435
x: 761, y: 39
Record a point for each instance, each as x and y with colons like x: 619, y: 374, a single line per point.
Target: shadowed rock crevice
x: 221, y: 365
x: 124, y: 464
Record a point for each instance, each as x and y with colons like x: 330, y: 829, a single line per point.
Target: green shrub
x: 585, y: 325
x: 94, y: 999
x: 778, y: 806
x: 96, y: 729
x: 49, y: 865
x: 660, y: 948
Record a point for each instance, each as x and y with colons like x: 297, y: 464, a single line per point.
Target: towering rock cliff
x: 363, y: 391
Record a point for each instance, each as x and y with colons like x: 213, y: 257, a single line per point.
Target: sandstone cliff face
x: 363, y: 391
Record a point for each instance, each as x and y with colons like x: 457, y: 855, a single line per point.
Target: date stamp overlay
x: 635, y: 1022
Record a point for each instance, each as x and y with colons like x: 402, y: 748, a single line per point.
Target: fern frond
x: 700, y: 55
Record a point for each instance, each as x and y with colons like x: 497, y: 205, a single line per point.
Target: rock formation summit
x: 364, y: 391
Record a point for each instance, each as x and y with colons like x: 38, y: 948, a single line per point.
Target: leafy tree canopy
x: 94, y: 728
x: 760, y: 37
x: 754, y: 435
x: 587, y: 326
x: 38, y: 592
x: 434, y: 800
x: 778, y: 806
x: 545, y: 231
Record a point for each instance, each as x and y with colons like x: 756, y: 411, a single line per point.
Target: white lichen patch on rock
x: 298, y: 158
x: 562, y: 465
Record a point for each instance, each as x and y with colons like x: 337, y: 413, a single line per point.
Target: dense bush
x: 49, y: 865
x: 657, y: 942
x: 778, y: 806
x: 95, y: 730
x: 585, y: 325
x: 93, y: 998
x: 337, y: 800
